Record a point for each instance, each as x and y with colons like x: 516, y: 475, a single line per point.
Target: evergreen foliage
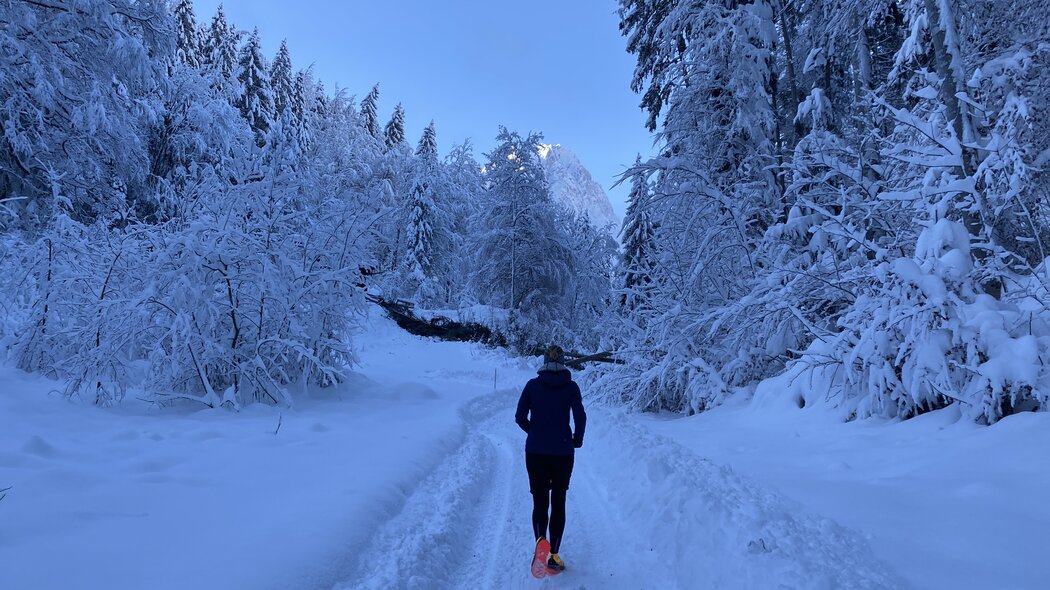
x: 369, y: 114
x: 187, y: 34
x: 637, y: 263
x: 281, y: 80
x: 220, y: 48
x: 256, y: 99
x: 394, y: 132
x: 427, y: 147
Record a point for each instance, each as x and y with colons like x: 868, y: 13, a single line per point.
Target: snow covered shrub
x: 653, y: 385
x: 665, y: 370
x: 81, y: 326
x: 927, y: 336
x: 254, y: 296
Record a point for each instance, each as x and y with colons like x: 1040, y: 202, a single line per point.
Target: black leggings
x: 549, y: 481
x: 540, y: 502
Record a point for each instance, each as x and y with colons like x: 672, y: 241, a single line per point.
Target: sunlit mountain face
x: 571, y: 183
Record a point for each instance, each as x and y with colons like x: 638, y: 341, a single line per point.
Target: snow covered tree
x: 192, y: 146
x: 428, y: 240
x: 418, y: 263
x: 637, y: 264
x: 369, y: 113
x: 427, y: 150
x: 220, y: 48
x: 299, y: 113
x: 707, y: 73
x: 460, y: 205
x: 319, y: 106
x: 588, y: 298
x: 187, y: 34
x: 256, y: 100
x: 522, y: 253
x: 961, y: 207
x: 394, y: 133
x: 281, y: 81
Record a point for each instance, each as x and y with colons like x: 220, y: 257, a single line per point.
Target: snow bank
x: 706, y: 524
x: 948, y: 504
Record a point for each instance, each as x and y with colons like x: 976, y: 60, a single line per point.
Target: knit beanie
x: 553, y: 354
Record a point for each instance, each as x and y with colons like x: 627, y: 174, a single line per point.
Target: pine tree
x: 427, y: 148
x: 281, y: 80
x: 422, y: 210
x: 256, y: 101
x: 220, y: 47
x: 187, y: 34
x: 637, y: 236
x: 420, y: 240
x: 298, y: 110
x: 320, y: 102
x: 368, y: 112
x: 395, y: 128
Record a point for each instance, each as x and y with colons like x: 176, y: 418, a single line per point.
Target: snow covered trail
x: 643, y: 513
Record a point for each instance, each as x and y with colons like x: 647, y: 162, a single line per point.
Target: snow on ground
x: 142, y: 497
x: 643, y: 512
x: 949, y: 504
x: 412, y: 476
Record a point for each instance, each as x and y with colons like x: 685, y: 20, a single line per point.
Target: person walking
x: 550, y: 444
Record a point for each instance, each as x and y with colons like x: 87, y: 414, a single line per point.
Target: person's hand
x: 577, y: 443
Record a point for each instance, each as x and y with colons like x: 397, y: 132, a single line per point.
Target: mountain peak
x: 571, y: 183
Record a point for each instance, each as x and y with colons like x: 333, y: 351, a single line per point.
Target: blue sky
x: 555, y: 66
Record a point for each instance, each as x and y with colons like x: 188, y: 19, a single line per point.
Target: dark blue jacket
x: 543, y: 412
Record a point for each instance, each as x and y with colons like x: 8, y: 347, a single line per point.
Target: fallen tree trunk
x: 437, y: 327
x: 576, y: 360
x: 446, y: 329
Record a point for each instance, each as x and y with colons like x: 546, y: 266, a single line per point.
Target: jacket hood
x: 559, y: 378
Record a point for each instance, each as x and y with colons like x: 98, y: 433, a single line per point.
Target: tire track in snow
x: 496, y: 511
x: 503, y: 543
x: 427, y: 543
x: 643, y: 513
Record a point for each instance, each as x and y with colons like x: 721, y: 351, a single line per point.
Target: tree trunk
x: 789, y: 60
x: 944, y: 29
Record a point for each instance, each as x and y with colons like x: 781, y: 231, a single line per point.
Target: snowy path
x: 643, y: 513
